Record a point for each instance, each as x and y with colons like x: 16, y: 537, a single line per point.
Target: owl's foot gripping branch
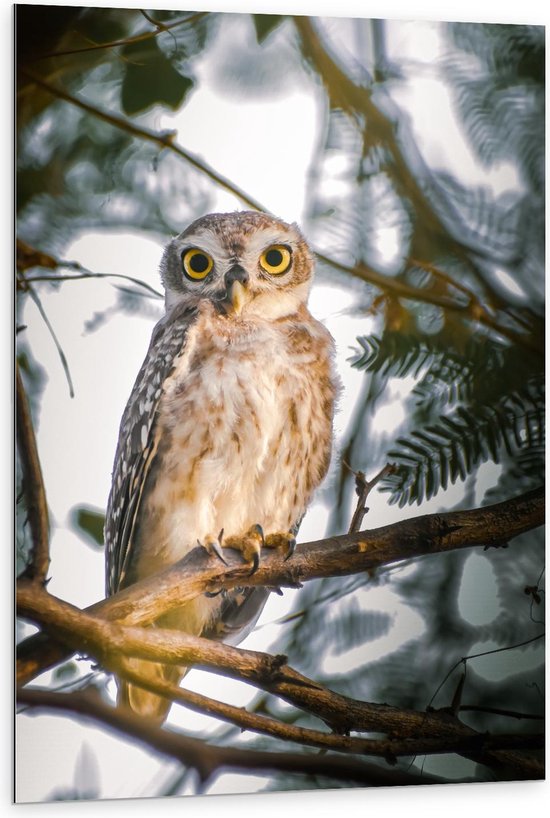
x: 250, y: 545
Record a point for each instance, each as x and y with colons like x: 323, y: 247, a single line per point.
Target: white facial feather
x: 273, y: 296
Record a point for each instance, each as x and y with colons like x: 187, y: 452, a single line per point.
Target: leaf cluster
x: 485, y: 403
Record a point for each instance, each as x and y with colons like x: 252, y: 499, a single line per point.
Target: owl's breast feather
x: 245, y: 429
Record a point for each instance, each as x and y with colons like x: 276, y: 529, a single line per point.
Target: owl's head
x: 245, y: 263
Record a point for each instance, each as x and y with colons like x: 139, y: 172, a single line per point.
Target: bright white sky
x: 77, y: 437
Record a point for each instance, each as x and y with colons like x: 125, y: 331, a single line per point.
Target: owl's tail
x: 143, y: 702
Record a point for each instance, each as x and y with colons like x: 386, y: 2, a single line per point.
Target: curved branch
x: 145, y: 601
x: 210, y: 760
x: 412, y: 732
x: 391, y: 286
x: 164, y: 139
x: 29, y: 257
x: 389, y: 749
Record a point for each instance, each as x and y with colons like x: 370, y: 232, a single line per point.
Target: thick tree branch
x: 210, y: 760
x: 417, y: 731
x: 335, y: 556
x: 145, y: 601
x: 388, y: 749
x: 33, y: 487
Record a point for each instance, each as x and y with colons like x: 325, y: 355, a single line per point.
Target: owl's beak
x: 236, y: 280
x: 238, y: 297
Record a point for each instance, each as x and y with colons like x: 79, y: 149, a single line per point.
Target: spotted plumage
x: 229, y: 422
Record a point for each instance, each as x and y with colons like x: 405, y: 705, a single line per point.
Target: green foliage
x: 77, y: 171
x: 395, y: 354
x: 264, y: 24
x: 89, y: 522
x: 498, y: 80
x: 439, y: 454
x: 150, y: 79
x: 493, y: 402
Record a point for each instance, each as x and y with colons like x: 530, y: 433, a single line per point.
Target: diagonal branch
x: 389, y: 749
x: 33, y: 486
x: 210, y: 760
x: 413, y: 178
x: 357, y: 101
x: 412, y: 732
x: 143, y: 602
x: 166, y: 140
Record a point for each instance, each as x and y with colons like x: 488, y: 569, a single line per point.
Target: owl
x: 228, y: 429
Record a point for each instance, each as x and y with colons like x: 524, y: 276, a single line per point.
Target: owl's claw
x: 255, y: 564
x: 291, y: 548
x: 257, y: 529
x: 283, y: 539
x: 250, y: 545
x: 213, y: 545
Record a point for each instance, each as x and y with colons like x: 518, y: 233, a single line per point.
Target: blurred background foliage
x: 454, y: 310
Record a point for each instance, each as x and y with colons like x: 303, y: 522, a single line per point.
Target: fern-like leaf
x: 428, y: 459
x: 394, y: 354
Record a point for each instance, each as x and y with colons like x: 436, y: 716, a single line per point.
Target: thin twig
x: 60, y: 352
x: 29, y: 257
x: 81, y: 276
x: 138, y: 38
x: 363, y: 487
x: 33, y: 486
x: 498, y: 711
x: 464, y: 659
x: 165, y: 140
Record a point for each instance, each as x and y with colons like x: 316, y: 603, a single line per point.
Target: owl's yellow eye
x: 196, y: 264
x: 276, y: 259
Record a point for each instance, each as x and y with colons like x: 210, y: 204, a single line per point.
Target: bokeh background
x: 412, y: 155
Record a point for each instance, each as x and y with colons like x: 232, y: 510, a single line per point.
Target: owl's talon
x: 255, y: 564
x: 250, y: 545
x: 258, y: 530
x: 282, y: 539
x: 213, y: 546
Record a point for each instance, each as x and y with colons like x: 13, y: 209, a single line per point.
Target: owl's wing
x: 137, y: 443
